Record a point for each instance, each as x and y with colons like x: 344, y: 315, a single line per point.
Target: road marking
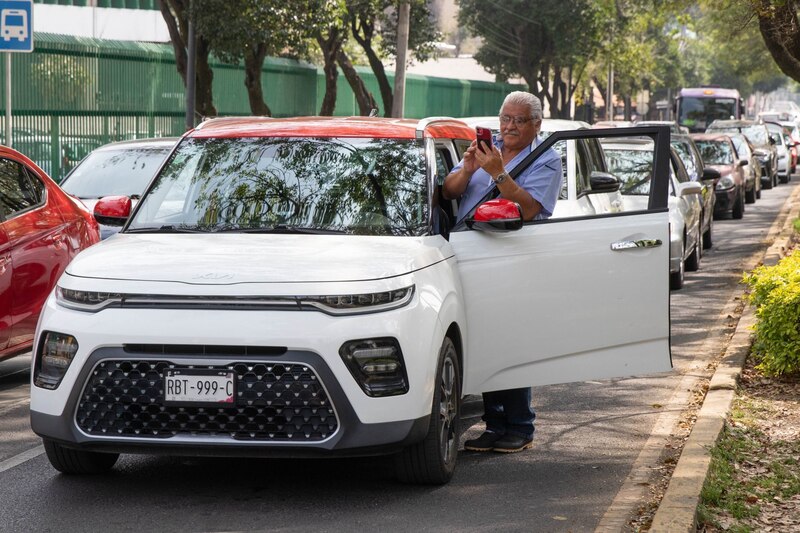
x: 17, y: 460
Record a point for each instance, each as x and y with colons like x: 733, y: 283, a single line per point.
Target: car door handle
x: 620, y: 246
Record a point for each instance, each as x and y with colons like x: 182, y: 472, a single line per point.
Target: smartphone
x: 484, y: 137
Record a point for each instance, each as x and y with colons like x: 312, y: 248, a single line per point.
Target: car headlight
x: 53, y: 357
x: 341, y: 304
x: 725, y: 183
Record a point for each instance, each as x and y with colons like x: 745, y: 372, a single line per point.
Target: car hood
x: 231, y: 259
x: 723, y: 169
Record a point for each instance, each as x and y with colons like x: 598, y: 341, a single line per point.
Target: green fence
x: 74, y: 94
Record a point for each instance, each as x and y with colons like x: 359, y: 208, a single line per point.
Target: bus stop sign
x: 16, y: 25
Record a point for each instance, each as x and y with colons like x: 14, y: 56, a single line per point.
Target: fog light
x: 377, y: 365
x: 53, y: 357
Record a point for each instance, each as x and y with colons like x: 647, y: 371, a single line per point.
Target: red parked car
x: 41, y: 230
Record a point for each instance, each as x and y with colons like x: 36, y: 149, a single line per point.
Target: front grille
x: 275, y: 402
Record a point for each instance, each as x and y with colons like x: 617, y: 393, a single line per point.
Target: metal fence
x: 74, y: 94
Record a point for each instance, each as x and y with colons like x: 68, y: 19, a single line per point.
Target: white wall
x: 101, y: 22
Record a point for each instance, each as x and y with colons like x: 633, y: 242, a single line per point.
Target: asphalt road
x: 589, y: 436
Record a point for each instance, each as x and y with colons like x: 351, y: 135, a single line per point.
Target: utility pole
x: 610, y: 93
x: 191, y: 52
x: 398, y: 102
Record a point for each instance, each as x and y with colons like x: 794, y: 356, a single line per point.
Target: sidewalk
x: 678, y: 507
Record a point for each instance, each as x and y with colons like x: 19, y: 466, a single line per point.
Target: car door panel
x: 552, y: 303
x: 5, y: 287
x: 555, y: 302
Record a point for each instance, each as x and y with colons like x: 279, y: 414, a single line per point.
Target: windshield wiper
x: 165, y: 229
x: 280, y: 228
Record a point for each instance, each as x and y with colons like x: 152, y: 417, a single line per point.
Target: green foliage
x: 776, y: 296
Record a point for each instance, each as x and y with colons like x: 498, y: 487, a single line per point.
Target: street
x: 588, y: 438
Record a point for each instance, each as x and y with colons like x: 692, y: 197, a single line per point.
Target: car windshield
x: 305, y: 185
x: 632, y: 166
x: 715, y: 152
x: 124, y: 172
x: 697, y: 112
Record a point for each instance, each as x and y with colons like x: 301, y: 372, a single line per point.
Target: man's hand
x: 470, y: 163
x: 490, y: 160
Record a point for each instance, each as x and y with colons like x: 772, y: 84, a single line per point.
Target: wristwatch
x: 503, y: 176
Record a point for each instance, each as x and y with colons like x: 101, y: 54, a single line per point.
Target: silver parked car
x: 117, y: 169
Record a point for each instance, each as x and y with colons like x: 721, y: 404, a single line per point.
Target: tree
x: 176, y: 15
x: 778, y: 24
x: 255, y: 29
x: 539, y: 40
x: 373, y: 24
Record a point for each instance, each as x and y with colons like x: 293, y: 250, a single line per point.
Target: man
x: 508, y: 414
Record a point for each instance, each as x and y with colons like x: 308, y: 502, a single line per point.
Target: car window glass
x: 632, y: 163
x: 715, y: 152
x: 583, y: 168
x: 686, y: 157
x: 561, y: 148
x: 18, y: 190
x: 442, y: 165
x: 124, y: 172
x: 351, y: 185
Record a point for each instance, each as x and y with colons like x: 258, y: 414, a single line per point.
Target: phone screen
x: 484, y: 137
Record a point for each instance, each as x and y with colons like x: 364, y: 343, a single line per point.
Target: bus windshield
x: 697, y: 113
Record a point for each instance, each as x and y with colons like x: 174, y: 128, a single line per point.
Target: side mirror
x: 711, y: 174
x: 743, y: 162
x: 113, y: 210
x: 498, y: 215
x: 603, y: 182
x: 689, y: 187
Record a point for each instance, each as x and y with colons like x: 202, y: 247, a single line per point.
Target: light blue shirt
x: 542, y: 180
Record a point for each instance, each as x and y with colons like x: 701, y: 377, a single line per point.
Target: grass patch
x: 747, y: 471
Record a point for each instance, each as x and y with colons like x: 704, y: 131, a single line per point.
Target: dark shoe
x: 512, y: 443
x: 484, y: 443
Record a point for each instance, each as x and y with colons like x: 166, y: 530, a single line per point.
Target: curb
x: 678, y: 508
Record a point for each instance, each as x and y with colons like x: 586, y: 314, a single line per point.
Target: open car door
x: 570, y: 299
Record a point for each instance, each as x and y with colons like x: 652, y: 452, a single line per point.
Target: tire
x: 676, y: 278
x: 693, y: 261
x: 767, y: 185
x: 433, y: 460
x: 71, y: 461
x: 707, y: 235
x: 750, y: 196
x: 738, y: 207
x: 784, y: 179
x: 758, y: 194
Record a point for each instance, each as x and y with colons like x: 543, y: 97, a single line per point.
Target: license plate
x: 199, y: 386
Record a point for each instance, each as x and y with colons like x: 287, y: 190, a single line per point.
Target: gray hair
x: 527, y: 99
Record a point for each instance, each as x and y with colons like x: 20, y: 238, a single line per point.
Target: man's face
x: 517, y: 128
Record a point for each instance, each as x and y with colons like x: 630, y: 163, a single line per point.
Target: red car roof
x: 387, y: 128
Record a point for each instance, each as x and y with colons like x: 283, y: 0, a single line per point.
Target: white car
x: 777, y: 137
x: 588, y: 188
x: 294, y: 287
x: 629, y: 160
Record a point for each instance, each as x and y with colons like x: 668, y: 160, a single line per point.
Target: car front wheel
x: 433, y: 460
x: 70, y: 461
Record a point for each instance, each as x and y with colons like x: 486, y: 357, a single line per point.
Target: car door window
x: 20, y: 190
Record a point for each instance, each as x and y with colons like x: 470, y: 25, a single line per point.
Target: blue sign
x: 16, y: 25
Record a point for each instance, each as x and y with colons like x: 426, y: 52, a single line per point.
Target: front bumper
x: 726, y: 199
x: 349, y: 435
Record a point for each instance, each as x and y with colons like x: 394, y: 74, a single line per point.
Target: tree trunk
x: 204, y: 95
x: 176, y: 17
x: 330, y: 47
x: 366, y: 102
x: 628, y: 106
x: 365, y: 41
x: 602, y: 89
x: 778, y: 24
x: 253, y: 62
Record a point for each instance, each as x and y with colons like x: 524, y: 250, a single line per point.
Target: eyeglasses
x: 518, y: 121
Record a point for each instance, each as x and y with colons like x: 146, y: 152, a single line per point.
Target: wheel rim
x: 448, y: 410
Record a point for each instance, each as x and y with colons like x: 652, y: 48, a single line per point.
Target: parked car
x: 777, y: 137
x: 763, y: 148
x: 41, y: 230
x: 793, y: 141
x: 752, y: 170
x: 288, y: 287
x: 587, y: 188
x: 117, y: 169
x: 733, y: 189
x: 706, y: 177
x: 629, y: 161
